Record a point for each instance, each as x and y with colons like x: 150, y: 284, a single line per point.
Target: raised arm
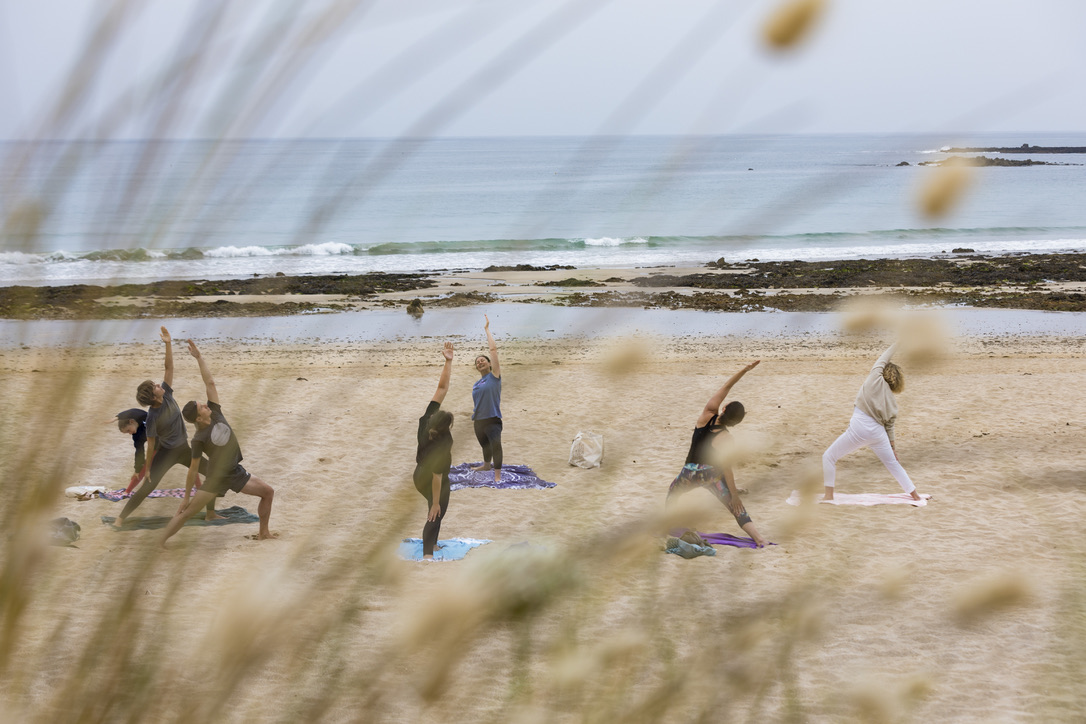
x: 495, y: 366
x: 446, y: 372
x: 205, y: 373
x: 712, y: 407
x: 886, y: 356
x: 168, y: 376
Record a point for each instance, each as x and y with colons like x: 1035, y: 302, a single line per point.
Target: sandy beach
x: 967, y: 610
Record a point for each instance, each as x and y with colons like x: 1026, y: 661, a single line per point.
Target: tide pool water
x: 143, y: 210
x: 539, y: 321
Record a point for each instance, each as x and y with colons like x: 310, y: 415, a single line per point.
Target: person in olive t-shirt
x: 433, y: 457
x: 168, y: 442
x: 215, y: 438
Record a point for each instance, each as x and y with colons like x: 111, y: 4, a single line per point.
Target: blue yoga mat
x: 446, y: 550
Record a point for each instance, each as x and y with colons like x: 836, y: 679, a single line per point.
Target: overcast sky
x: 528, y: 67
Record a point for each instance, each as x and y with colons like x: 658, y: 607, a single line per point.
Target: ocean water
x: 85, y: 212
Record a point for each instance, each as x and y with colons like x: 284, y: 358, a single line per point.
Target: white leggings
x: 864, y: 430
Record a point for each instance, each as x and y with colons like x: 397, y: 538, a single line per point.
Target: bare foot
x: 118, y: 523
x: 212, y: 515
x: 263, y: 536
x: 481, y: 468
x: 761, y: 542
x: 916, y: 495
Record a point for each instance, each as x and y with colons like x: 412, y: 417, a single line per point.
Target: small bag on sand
x: 586, y: 450
x: 63, y: 532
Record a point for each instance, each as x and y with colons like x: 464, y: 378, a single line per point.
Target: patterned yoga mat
x: 119, y: 495
x: 514, y: 477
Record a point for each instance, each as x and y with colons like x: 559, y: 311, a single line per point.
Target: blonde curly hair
x: 894, y: 377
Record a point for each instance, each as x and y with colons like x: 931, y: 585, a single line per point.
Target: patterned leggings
x: 705, y: 476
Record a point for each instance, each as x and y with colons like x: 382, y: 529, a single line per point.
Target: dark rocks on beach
x: 572, y: 282
x: 527, y: 267
x: 414, y: 307
x: 80, y: 301
x: 979, y: 271
x: 904, y: 163
x: 463, y: 299
x: 1010, y: 281
x: 704, y: 301
x: 961, y: 250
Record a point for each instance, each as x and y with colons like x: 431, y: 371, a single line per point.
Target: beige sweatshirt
x: 875, y: 397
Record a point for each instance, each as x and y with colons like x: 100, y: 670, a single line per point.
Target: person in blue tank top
x: 705, y: 466
x: 487, y: 414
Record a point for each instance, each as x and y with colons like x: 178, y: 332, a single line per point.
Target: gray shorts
x: 234, y: 480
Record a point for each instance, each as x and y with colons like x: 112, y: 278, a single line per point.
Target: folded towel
x: 687, y: 550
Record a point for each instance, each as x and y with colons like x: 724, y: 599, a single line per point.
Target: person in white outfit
x: 872, y: 425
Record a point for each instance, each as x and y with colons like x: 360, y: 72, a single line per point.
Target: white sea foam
x: 18, y: 257
x: 224, y: 252
x: 614, y: 241
x: 329, y: 248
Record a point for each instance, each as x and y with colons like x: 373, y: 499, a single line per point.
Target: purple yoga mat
x: 514, y: 477
x: 723, y: 539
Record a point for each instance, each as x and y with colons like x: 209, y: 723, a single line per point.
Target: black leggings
x: 424, y: 483
x: 489, y: 433
x: 163, y: 461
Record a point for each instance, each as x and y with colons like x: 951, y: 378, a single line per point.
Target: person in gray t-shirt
x: 486, y: 416
x: 167, y: 439
x: 215, y: 437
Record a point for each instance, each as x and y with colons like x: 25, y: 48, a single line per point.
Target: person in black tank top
x: 704, y: 467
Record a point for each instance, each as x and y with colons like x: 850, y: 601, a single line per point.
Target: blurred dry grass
x: 326, y: 626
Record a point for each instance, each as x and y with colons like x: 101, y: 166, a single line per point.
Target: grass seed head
x: 792, y: 23
x: 943, y: 191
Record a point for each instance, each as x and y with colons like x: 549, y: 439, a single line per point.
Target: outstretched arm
x: 168, y: 376
x: 205, y: 373
x: 495, y: 366
x: 712, y: 407
x: 886, y: 356
x: 446, y: 372
x: 737, y: 506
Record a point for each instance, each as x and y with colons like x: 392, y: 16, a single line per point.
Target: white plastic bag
x: 586, y: 450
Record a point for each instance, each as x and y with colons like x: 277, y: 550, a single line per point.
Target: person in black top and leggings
x: 704, y: 468
x: 433, y: 458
